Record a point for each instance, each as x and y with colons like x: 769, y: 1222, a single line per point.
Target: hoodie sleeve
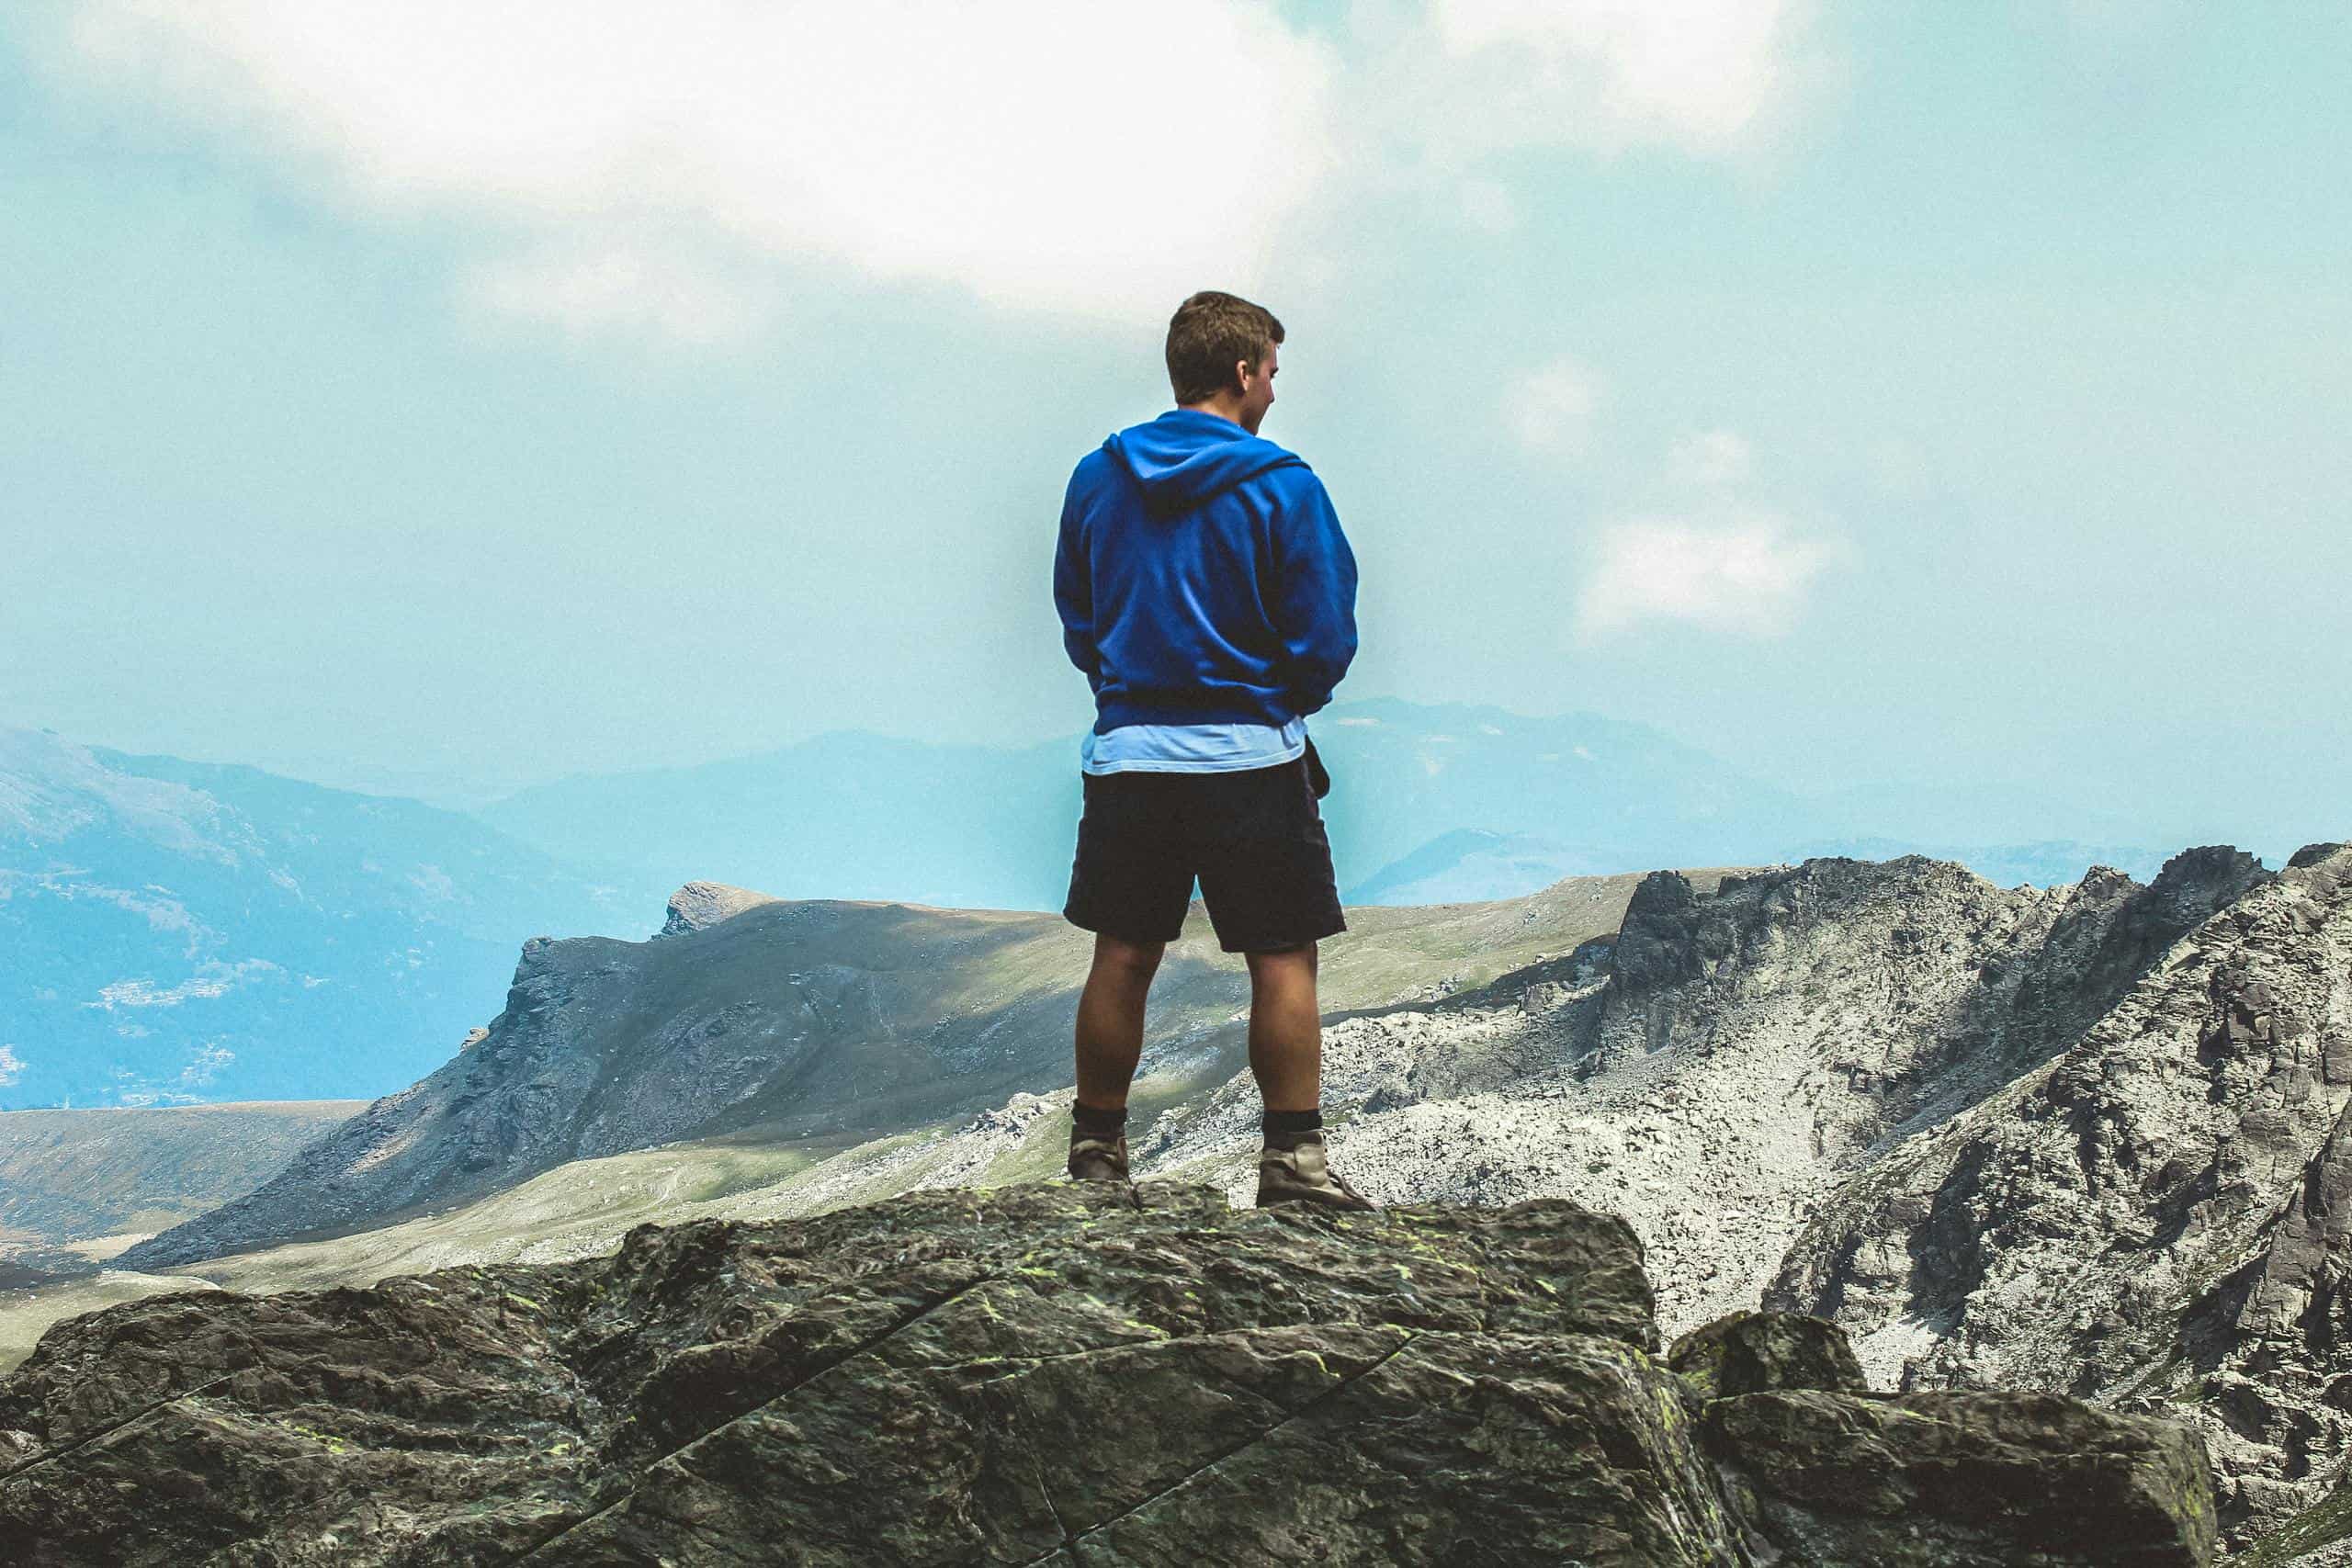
x: 1315, y: 602
x: 1074, y: 595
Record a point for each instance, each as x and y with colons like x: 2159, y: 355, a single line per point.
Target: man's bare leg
x: 1285, y: 1029
x: 1286, y: 1056
x: 1110, y: 1019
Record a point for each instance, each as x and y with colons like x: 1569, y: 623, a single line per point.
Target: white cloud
x: 1711, y: 459
x: 12, y: 1066
x: 1708, y: 76
x: 1550, y: 409
x: 1487, y: 205
x: 672, y: 170
x: 206, y: 1064
x: 1023, y: 149
x: 1734, y: 568
x: 629, y: 289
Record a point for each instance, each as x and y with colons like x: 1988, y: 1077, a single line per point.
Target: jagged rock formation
x: 2318, y: 1537
x: 1719, y: 1071
x: 2155, y: 1218
x: 1054, y: 1373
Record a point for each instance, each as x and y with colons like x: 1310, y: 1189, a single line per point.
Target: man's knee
x: 1283, y: 961
x: 1118, y: 954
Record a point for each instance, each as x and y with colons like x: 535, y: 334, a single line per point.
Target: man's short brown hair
x: 1208, y: 335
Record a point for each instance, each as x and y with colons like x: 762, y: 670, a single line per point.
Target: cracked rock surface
x: 1088, y: 1373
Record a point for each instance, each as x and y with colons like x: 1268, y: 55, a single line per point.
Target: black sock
x: 1288, y: 1129
x: 1093, y: 1121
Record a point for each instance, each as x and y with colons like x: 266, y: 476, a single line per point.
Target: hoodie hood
x: 1186, y: 457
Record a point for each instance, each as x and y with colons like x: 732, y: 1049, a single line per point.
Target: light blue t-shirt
x: 1191, y: 747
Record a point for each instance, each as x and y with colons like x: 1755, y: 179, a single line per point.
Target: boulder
x: 1955, y: 1479
x: 1759, y: 1352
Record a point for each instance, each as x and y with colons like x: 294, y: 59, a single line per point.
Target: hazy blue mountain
x: 1598, y: 795
x: 68, y: 1175
x: 849, y: 815
x: 180, y: 933
x: 1469, y: 865
x: 842, y: 814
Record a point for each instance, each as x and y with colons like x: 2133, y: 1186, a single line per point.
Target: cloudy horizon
x: 479, y: 394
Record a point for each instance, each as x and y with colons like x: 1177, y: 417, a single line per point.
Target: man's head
x: 1221, y: 354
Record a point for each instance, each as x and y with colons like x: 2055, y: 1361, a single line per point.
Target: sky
x: 444, y: 397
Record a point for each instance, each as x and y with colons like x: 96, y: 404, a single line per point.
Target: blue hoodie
x: 1201, y: 578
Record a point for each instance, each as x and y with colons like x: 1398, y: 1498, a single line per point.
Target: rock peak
x: 698, y: 906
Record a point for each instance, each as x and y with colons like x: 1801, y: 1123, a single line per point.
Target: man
x: 1207, y: 593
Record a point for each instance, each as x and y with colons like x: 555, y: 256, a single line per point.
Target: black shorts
x: 1253, y: 836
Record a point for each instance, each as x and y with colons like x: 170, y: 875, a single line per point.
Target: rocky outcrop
x: 1960, y: 1480
x: 1733, y: 1060
x: 1051, y: 1373
x: 698, y: 906
x: 1751, y: 1352
x: 2082, y: 1139
x: 2153, y: 1218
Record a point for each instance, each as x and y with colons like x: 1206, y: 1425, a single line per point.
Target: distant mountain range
x: 185, y: 932
x: 1430, y: 804
x: 179, y: 932
x: 848, y: 815
x: 78, y: 1186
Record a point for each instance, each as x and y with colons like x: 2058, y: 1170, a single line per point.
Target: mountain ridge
x: 805, y: 1020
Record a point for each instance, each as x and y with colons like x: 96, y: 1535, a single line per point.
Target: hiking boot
x: 1303, y: 1175
x: 1098, y: 1159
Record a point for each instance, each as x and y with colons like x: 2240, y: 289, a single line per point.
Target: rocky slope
x: 1718, y: 1070
x: 1059, y: 1373
x: 87, y: 1176
x: 2157, y: 1217
x: 813, y: 1023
